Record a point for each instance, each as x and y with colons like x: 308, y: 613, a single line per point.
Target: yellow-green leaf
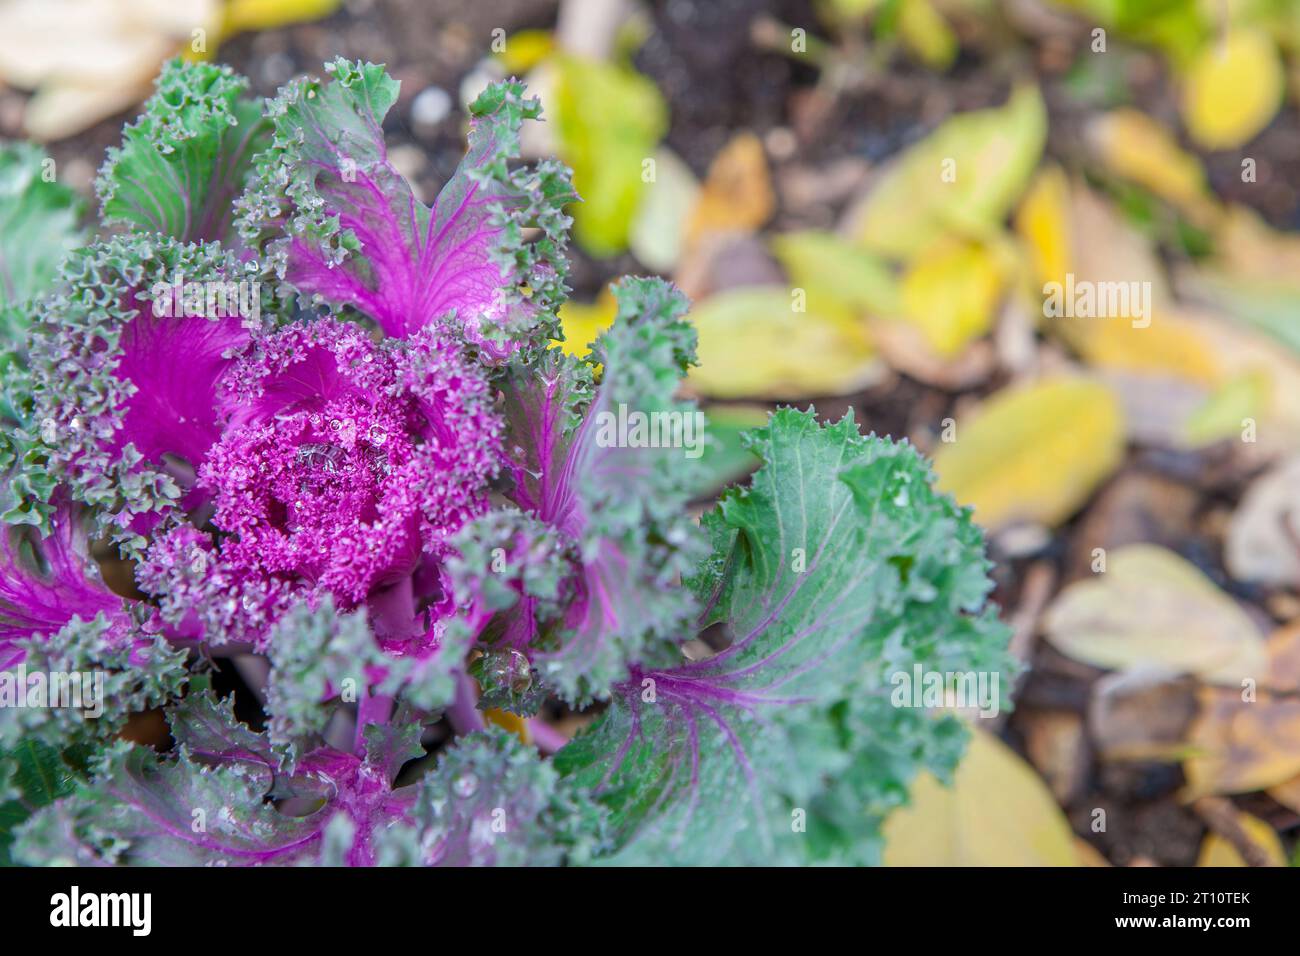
x: 849, y: 10
x: 524, y: 50
x: 964, y: 177
x: 1136, y: 147
x: 754, y: 343
x: 1043, y: 224
x: 997, y: 812
x: 1245, y: 395
x: 1234, y: 86
x: 658, y: 231
x: 608, y: 121
x: 1149, y: 609
x: 927, y: 34
x: 830, y: 267
x: 583, y: 322
x: 950, y: 293
x: 244, y: 15
x: 1034, y: 452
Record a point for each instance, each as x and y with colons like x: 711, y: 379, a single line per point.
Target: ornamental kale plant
x: 329, y: 429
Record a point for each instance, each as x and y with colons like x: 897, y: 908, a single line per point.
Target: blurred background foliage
x: 868, y: 202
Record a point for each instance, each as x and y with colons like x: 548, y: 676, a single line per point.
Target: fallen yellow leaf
x: 1151, y: 609
x: 88, y: 59
x: 927, y: 34
x: 1034, y: 452
x: 1107, y: 248
x: 244, y: 15
x: 583, y: 322
x: 608, y: 121
x: 996, y: 813
x: 1240, y: 746
x: 963, y: 178
x: 1134, y: 146
x: 1043, y: 223
x: 1216, y: 851
x: 830, y: 267
x: 1233, y: 88
x: 1168, y: 346
x: 950, y: 293
x: 1229, y: 368
x: 754, y: 344
x: 1088, y: 854
x: 525, y: 49
x: 508, y: 721
x: 1097, y: 251
x: 64, y: 108
x: 737, y: 193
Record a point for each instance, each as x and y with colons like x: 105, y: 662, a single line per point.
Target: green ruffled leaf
x: 618, y: 503
x: 144, y: 810
x: 219, y: 799
x: 513, y: 571
x: 38, y: 227
x: 26, y: 487
x: 32, y: 775
x: 317, y: 656
x: 185, y: 160
x: 389, y: 747
x: 492, y: 801
x: 137, y: 673
x: 206, y: 726
x: 839, y: 567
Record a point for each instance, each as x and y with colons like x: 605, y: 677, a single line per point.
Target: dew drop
x: 465, y: 786
x: 518, y: 672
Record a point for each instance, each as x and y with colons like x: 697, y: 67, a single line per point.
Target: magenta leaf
x: 617, y: 504
x: 341, y: 224
x: 46, y: 582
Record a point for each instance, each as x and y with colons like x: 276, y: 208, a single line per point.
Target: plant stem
x: 547, y: 738
x: 371, y: 709
x: 464, y: 713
